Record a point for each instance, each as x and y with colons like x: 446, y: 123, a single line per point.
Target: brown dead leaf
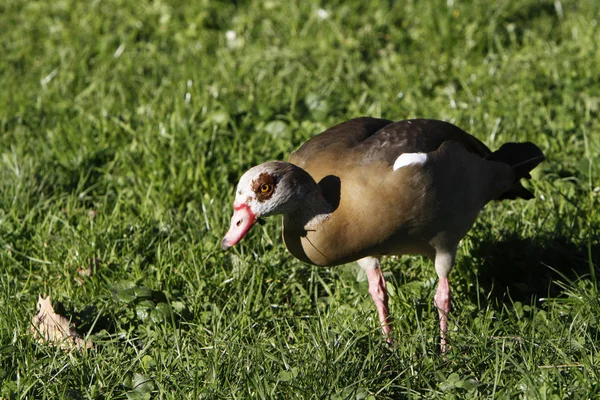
x: 87, y: 271
x: 92, y: 266
x: 54, y: 329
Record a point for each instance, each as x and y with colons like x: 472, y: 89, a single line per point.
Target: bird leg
x: 442, y: 302
x: 444, y: 261
x: 378, y: 292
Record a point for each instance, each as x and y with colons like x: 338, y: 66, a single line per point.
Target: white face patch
x: 245, y: 192
x: 409, y: 159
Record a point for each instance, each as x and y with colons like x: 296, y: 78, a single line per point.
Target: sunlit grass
x: 124, y: 127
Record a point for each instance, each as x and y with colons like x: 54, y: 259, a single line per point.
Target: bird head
x: 267, y: 189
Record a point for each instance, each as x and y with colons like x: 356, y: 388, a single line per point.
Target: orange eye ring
x: 266, y: 188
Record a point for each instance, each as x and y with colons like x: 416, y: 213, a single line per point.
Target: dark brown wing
x: 338, y: 140
x: 366, y: 140
x: 415, y: 136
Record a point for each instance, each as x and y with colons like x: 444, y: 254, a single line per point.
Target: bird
x: 370, y: 187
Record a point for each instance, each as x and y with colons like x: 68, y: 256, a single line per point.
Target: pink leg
x: 378, y: 292
x: 444, y: 261
x: 380, y: 297
x: 442, y: 302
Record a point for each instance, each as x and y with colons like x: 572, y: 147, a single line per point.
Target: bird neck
x: 312, y: 212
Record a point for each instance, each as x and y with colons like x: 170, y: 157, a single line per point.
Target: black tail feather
x: 522, y: 157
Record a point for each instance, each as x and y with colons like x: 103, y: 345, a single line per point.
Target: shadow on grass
x: 86, y: 176
x: 525, y: 268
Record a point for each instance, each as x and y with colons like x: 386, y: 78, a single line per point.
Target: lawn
x: 124, y: 127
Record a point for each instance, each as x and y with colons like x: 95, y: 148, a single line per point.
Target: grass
x: 124, y: 127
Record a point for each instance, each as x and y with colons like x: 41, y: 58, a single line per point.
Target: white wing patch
x: 409, y: 159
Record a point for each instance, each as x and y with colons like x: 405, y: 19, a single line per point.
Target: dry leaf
x: 85, y: 272
x: 55, y: 329
x: 88, y: 271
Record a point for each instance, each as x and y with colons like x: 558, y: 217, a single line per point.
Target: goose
x: 370, y: 187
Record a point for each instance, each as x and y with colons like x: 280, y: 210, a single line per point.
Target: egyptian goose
x: 371, y: 187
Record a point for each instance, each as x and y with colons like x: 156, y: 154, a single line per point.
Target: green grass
x: 124, y: 127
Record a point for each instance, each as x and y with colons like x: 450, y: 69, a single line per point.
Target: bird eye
x: 266, y: 188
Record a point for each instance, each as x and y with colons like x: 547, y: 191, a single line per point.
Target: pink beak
x: 242, y: 220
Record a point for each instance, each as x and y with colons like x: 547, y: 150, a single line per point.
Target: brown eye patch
x: 264, y: 186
